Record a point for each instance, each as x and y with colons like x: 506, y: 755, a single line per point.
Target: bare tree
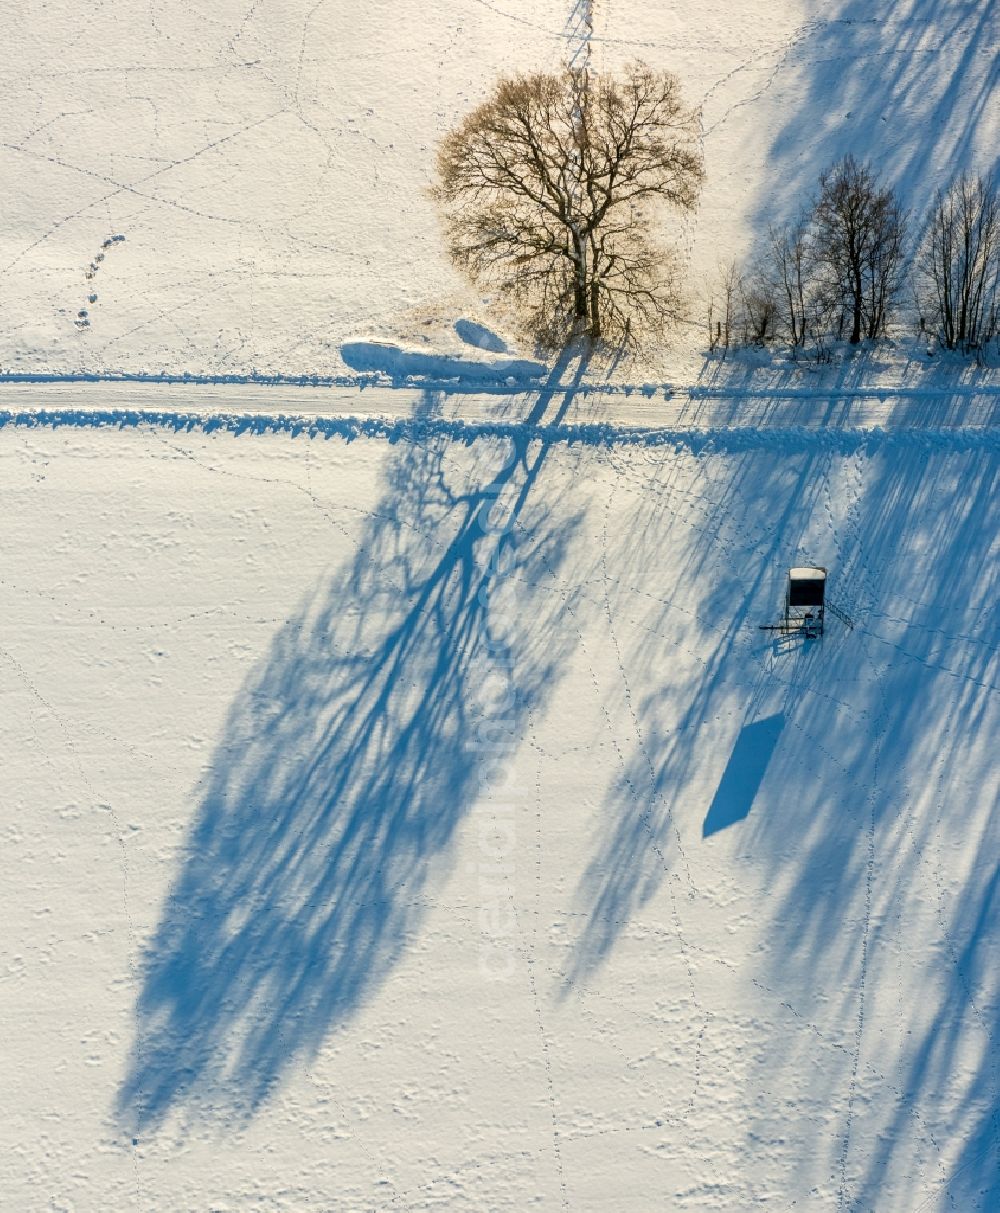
x: 959, y: 262
x: 758, y: 307
x: 714, y: 325
x: 722, y: 306
x: 788, y: 252
x: 860, y: 230
x: 550, y: 189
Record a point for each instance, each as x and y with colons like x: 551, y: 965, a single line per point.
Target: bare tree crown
x: 958, y: 267
x: 550, y: 187
x: 835, y: 269
x: 860, y: 230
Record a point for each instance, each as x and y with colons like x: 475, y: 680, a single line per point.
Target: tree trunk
x: 856, y: 319
x: 580, y: 308
x: 595, y: 312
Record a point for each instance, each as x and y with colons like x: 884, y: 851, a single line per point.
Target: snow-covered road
x: 697, y: 407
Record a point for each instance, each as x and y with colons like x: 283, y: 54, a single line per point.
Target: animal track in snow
x: 82, y: 319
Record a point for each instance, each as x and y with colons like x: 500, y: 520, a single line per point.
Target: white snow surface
x: 268, y: 164
x: 427, y: 823
x: 402, y: 806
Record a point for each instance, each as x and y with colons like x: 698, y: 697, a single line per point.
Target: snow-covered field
x: 402, y: 807
x: 428, y: 824
x: 268, y: 163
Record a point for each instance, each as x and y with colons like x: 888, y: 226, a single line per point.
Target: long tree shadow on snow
x: 640, y: 841
x: 896, y: 854
x: 874, y: 827
x: 344, y: 769
x: 911, y: 85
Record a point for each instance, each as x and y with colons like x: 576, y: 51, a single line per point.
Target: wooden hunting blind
x: 805, y: 599
x: 805, y: 602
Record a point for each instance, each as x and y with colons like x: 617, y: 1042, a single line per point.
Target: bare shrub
x: 958, y: 266
x: 788, y: 252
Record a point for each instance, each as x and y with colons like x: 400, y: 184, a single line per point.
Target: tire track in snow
x: 646, y: 817
x: 529, y: 948
x: 881, y: 727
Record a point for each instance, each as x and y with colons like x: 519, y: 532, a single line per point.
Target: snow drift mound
x: 398, y: 363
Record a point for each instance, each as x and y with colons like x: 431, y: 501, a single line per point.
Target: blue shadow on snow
x: 744, y: 774
x: 383, y: 711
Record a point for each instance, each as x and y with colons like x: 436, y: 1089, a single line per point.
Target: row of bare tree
x: 557, y: 189
x: 841, y: 268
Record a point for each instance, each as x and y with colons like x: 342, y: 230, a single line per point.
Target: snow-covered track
x: 417, y: 429
x: 589, y: 411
